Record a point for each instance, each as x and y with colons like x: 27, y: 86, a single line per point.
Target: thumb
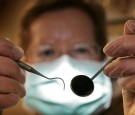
x: 129, y: 102
x: 129, y: 27
x: 129, y: 96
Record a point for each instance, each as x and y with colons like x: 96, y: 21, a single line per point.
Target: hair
x: 94, y: 11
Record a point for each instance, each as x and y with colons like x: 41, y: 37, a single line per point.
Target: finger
x: 10, y: 68
x: 121, y: 67
x: 124, y: 45
x: 9, y: 50
x: 9, y: 85
x: 127, y: 83
x: 129, y: 102
x: 129, y: 27
x: 8, y: 100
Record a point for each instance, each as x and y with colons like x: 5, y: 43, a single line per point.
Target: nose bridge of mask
x: 64, y: 67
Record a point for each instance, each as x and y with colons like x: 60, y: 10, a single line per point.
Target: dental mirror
x: 82, y: 85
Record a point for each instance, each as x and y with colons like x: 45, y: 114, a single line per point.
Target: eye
x: 48, y: 52
x: 84, y: 51
x: 81, y: 50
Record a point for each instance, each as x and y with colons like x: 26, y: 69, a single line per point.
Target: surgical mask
x: 49, y: 98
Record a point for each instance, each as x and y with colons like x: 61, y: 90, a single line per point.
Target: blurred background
x: 11, y: 11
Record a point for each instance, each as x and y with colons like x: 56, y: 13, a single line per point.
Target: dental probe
x: 32, y: 70
x: 102, y: 68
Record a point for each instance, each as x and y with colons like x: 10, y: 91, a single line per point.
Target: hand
x: 123, y: 67
x: 11, y: 76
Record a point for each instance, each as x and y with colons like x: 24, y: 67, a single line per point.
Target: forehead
x: 67, y: 14
x: 63, y: 24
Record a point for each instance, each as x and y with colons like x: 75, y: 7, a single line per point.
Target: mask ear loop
x: 32, y: 70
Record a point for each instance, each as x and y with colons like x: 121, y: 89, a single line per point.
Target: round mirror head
x: 82, y: 85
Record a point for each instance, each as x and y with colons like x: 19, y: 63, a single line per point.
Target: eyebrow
x: 46, y: 46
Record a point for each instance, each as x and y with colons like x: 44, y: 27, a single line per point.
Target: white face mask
x: 49, y: 98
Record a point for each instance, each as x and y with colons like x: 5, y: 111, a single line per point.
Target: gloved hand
x: 12, y: 77
x: 123, y: 67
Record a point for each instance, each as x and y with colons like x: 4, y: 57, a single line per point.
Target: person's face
x: 56, y: 33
